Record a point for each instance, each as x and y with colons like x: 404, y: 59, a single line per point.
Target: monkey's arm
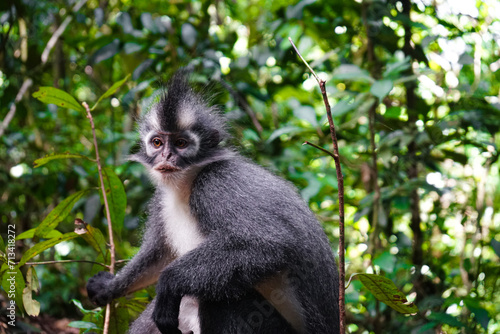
x: 142, y: 271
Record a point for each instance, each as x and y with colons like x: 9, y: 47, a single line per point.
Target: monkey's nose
x: 167, y: 155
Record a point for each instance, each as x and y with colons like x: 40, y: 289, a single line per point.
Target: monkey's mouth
x: 166, y: 169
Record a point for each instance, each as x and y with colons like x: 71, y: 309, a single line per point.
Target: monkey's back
x: 236, y: 197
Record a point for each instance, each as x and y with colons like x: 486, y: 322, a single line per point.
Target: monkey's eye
x: 157, y: 142
x: 181, y: 143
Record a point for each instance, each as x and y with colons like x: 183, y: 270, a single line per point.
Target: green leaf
x: 48, y: 158
x: 13, y: 284
x: 82, y: 324
x: 111, y: 90
x: 306, y: 113
x: 60, y: 212
x: 41, y: 246
x: 393, y: 70
x: 445, y: 318
x: 29, y: 234
x: 31, y: 306
x: 120, y: 318
x: 496, y: 246
x: 381, y: 88
x: 386, y: 261
x: 117, y: 198
x: 291, y: 130
x: 94, y: 238
x: 353, y: 73
x: 80, y: 306
x: 188, y: 34
x: 57, y: 97
x: 385, y: 291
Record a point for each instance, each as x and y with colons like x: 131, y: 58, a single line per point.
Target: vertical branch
x: 108, y: 214
x: 376, y: 197
x: 370, y: 50
x: 340, y: 181
x: 411, y: 101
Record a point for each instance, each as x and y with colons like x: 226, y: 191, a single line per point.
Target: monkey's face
x: 169, y: 154
x: 172, y: 147
x: 179, y: 133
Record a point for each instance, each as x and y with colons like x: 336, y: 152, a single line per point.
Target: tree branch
x: 45, y: 56
x: 59, y: 31
x: 242, y: 102
x: 10, y: 115
x: 65, y: 261
x: 340, y: 181
x: 108, y: 214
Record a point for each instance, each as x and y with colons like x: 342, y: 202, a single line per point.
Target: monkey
x: 232, y: 248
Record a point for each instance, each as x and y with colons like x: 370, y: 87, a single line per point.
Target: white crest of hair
x: 186, y: 116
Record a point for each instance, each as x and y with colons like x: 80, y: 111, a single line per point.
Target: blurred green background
x: 414, y: 87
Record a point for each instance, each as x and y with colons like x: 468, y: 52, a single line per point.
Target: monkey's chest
x: 181, y: 228
x: 182, y: 235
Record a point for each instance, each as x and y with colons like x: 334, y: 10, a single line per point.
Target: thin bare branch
x: 340, y: 181
x: 59, y: 31
x: 305, y: 62
x: 10, y: 115
x: 65, y: 261
x: 320, y: 148
x: 242, y: 102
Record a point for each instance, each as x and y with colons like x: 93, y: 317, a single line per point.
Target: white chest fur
x: 181, y: 228
x: 183, y: 235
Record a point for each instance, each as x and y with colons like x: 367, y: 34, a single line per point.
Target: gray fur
x: 227, y: 232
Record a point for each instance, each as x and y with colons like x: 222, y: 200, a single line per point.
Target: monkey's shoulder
x: 243, y: 177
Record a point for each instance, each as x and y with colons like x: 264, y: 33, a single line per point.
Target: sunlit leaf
x: 116, y: 196
x: 290, y: 130
x: 41, y: 246
x: 106, y: 52
x: 82, y: 324
x: 351, y: 72
x: 112, y: 90
x: 31, y: 233
x: 58, y: 97
x: 381, y: 88
x: 60, y: 212
x: 188, y: 34
x: 48, y: 158
x: 306, y: 113
x: 31, y: 306
x: 386, y: 261
x: 13, y: 284
x: 386, y: 291
x: 94, y: 237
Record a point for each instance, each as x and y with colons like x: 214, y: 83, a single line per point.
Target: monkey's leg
x: 144, y: 323
x: 224, y: 267
x: 251, y: 314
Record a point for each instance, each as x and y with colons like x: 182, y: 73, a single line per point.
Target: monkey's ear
x: 214, y: 139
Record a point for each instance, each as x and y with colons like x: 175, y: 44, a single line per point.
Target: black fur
x: 255, y: 228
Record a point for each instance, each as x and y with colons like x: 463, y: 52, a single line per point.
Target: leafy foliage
x: 424, y: 210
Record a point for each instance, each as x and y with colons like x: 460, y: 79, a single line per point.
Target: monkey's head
x: 180, y: 132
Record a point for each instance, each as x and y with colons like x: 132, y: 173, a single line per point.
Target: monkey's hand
x: 98, y: 288
x: 166, y: 312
